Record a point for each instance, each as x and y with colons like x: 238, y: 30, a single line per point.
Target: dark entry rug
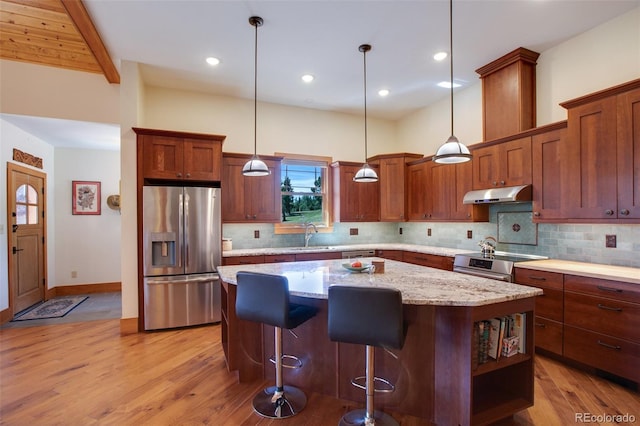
x: 52, y: 308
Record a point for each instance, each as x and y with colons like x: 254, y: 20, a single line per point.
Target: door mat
x: 52, y: 308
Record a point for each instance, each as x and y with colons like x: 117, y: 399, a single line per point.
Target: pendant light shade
x: 255, y: 166
x: 366, y: 173
x: 452, y: 151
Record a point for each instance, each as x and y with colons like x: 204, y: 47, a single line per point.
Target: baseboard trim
x: 72, y: 290
x: 128, y: 326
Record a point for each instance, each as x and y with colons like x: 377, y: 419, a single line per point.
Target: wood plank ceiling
x: 56, y: 33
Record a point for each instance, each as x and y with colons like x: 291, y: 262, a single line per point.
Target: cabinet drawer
x: 423, y: 259
x: 606, y: 288
x: 318, y: 256
x: 607, y: 316
x: 390, y: 254
x: 551, y: 304
x: 242, y: 260
x: 548, y: 334
x: 540, y: 279
x: 279, y: 258
x: 606, y: 353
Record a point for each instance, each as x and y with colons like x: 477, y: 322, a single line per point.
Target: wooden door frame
x: 10, y: 269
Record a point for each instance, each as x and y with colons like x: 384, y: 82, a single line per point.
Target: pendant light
x: 366, y: 173
x: 255, y: 166
x: 452, y: 151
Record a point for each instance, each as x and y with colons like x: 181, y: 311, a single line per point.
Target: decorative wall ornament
x: 26, y: 158
x: 86, y: 197
x: 517, y: 228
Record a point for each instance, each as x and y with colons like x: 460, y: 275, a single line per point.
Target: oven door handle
x: 499, y: 277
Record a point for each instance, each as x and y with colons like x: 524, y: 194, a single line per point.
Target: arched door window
x: 26, y: 205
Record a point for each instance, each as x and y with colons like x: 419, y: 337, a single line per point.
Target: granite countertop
x: 584, y: 269
x: 441, y: 251
x: 420, y: 285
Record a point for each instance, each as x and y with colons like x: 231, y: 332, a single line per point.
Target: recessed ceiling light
x: 307, y: 78
x: 213, y: 61
x: 383, y: 92
x: 447, y: 85
x: 440, y: 56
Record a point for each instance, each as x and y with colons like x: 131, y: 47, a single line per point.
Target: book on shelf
x: 519, y: 329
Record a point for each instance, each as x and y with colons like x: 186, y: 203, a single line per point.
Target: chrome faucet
x: 307, y: 234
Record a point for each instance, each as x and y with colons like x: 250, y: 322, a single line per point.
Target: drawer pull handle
x: 606, y: 345
x: 609, y: 308
x: 614, y: 290
x: 541, y: 325
x: 536, y: 278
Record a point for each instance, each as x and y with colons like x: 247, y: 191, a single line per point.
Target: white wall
x: 280, y: 128
x: 12, y: 137
x: 87, y: 244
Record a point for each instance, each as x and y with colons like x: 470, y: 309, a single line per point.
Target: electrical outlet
x: 469, y: 234
x: 353, y: 231
x: 611, y: 241
x: 256, y: 234
x: 400, y: 231
x: 74, y: 274
x: 428, y: 232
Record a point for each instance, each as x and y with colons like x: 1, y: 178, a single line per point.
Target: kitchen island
x: 437, y: 374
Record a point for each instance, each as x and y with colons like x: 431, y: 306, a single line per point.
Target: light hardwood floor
x: 85, y: 373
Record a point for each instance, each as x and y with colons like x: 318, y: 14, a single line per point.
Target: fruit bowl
x: 356, y: 268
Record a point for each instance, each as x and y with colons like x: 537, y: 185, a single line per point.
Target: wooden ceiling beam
x: 80, y: 17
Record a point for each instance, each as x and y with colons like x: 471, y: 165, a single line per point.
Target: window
x: 305, y: 188
x: 26, y: 205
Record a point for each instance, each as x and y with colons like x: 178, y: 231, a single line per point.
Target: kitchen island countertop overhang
x: 419, y: 285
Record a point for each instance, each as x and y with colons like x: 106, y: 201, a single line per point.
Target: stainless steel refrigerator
x: 182, y: 250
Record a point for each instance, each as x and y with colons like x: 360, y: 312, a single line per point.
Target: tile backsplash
x: 578, y: 242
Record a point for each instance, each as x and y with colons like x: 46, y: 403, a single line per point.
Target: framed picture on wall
x: 85, y: 197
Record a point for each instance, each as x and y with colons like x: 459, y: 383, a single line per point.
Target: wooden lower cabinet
x: 390, y: 254
x: 242, y: 260
x: 548, y: 324
x: 430, y: 260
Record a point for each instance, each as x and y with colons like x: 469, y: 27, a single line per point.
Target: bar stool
x: 372, y: 317
x: 265, y: 298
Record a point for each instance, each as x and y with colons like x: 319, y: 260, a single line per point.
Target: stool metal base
x: 359, y: 417
x: 290, y: 403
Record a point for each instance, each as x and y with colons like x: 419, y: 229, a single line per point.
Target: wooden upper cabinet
x: 180, y: 156
x: 602, y: 158
x: 436, y: 191
x: 629, y: 155
x: 354, y: 201
x: 509, y: 94
x: 502, y: 164
x: 250, y: 198
x: 417, y: 208
x: 393, y: 185
x: 546, y: 173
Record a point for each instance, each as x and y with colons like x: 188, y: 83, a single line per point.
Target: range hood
x: 507, y: 194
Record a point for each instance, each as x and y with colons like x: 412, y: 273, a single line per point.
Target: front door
x: 25, y: 208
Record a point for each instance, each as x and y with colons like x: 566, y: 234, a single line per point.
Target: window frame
x: 327, y: 205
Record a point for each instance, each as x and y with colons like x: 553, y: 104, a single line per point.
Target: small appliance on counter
x: 182, y: 251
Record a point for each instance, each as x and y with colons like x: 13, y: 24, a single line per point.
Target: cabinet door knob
x: 495, y: 183
x: 624, y: 212
x: 608, y: 212
x: 502, y: 182
x: 179, y: 174
x: 188, y: 175
x: 536, y: 214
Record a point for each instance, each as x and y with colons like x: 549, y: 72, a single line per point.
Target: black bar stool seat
x: 264, y: 298
x: 372, y: 317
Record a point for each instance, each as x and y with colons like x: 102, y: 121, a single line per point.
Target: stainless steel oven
x: 498, y: 267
